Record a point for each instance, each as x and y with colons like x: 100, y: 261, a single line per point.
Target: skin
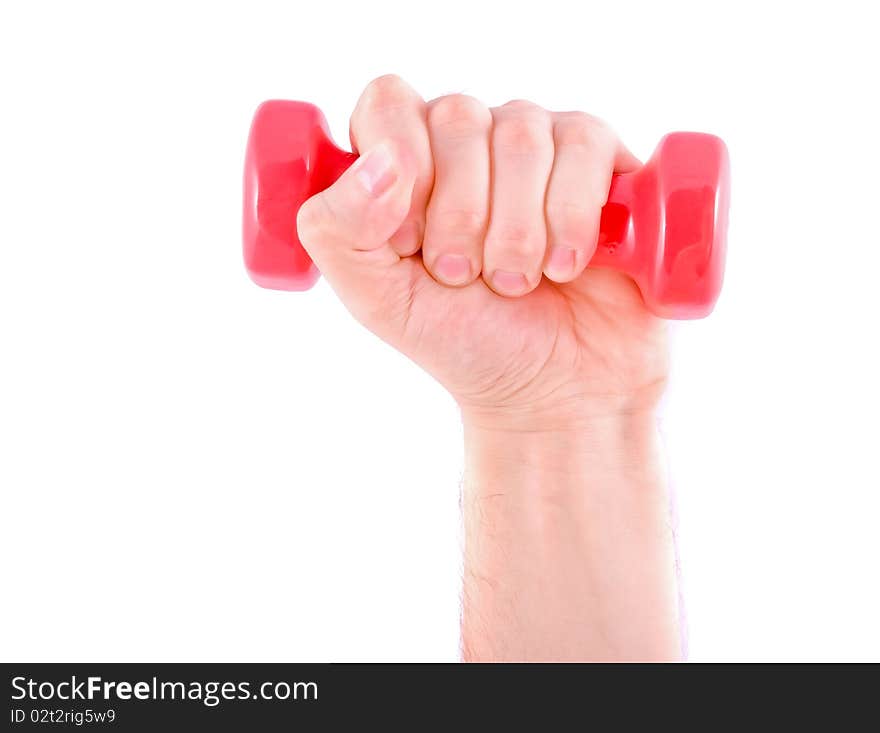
x: 461, y: 237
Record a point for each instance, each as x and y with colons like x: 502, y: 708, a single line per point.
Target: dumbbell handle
x: 616, y: 243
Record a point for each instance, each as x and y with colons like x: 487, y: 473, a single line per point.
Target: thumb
x: 345, y: 229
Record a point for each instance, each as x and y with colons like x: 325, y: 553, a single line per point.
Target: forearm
x: 568, y: 544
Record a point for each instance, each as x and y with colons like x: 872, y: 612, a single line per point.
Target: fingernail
x: 561, y: 262
x: 510, y: 283
x: 375, y: 170
x: 453, y: 269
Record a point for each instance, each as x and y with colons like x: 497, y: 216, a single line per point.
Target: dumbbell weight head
x: 290, y: 157
x: 665, y: 225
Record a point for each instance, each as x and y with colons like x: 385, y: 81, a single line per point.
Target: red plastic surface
x: 290, y: 157
x: 664, y: 225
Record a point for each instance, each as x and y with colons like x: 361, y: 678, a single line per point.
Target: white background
x: 192, y: 468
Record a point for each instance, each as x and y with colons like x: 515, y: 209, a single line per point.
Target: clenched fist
x: 462, y: 236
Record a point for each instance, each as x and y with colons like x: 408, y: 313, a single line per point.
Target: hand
x: 461, y: 238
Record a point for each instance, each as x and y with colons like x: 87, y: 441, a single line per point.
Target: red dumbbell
x: 664, y: 225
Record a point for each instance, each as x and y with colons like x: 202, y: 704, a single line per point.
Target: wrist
x: 572, y: 453
x: 578, y: 412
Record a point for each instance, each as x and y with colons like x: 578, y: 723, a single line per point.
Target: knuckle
x: 515, y: 239
x: 387, y: 92
x: 462, y: 222
x: 313, y: 219
x: 521, y: 133
x: 570, y: 222
x: 521, y: 105
x: 459, y: 115
x: 581, y: 129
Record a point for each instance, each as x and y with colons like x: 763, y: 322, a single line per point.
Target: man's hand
x: 461, y: 237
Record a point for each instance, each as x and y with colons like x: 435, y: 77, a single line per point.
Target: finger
x: 389, y: 109
x: 522, y: 156
x: 587, y: 154
x: 458, y: 211
x: 345, y: 229
x: 624, y: 160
